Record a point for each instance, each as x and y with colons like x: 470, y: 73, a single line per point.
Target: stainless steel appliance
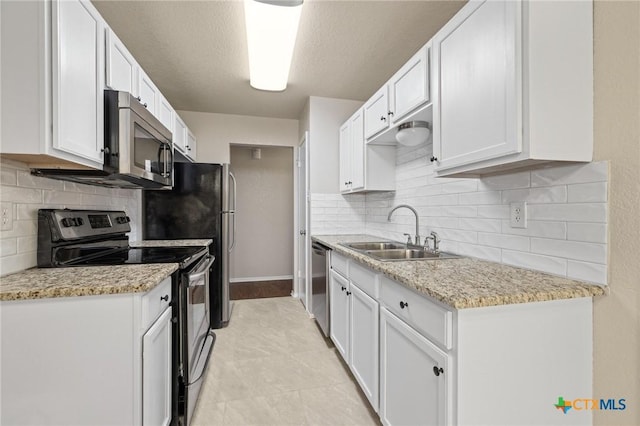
x: 137, y: 148
x: 69, y: 238
x: 320, y: 264
x: 201, y: 204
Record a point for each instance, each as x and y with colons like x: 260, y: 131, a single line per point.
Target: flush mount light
x: 272, y: 27
x: 413, y: 133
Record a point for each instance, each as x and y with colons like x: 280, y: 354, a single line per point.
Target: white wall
x: 326, y: 115
x: 264, y: 214
x: 567, y: 208
x: 216, y: 132
x: 23, y: 194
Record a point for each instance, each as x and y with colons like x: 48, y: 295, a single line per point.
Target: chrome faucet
x: 436, y: 242
x: 417, y: 220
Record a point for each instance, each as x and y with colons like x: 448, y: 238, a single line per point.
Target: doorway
x: 262, y: 265
x: 303, y: 221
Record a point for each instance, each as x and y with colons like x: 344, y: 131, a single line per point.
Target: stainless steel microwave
x: 138, y: 152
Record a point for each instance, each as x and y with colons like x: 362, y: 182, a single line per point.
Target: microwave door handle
x: 168, y: 165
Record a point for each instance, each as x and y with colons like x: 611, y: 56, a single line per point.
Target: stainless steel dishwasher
x: 320, y: 285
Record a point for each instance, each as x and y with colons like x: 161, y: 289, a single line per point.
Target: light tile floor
x: 272, y: 366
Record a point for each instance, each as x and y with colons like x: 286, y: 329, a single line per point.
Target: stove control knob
x: 79, y: 221
x: 65, y: 222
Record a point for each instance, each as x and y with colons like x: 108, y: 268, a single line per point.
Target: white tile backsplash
x: 27, y: 193
x: 567, y: 214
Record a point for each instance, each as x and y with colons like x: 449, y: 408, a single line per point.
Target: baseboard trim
x: 260, y: 289
x: 254, y: 279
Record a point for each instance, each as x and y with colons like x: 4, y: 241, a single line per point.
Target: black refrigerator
x: 200, y: 205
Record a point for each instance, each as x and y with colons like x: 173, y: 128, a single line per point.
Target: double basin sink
x: 392, y: 251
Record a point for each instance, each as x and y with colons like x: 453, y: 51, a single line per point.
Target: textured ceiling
x: 196, y: 51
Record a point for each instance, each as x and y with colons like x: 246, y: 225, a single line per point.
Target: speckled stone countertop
x: 171, y: 243
x: 467, y: 282
x: 42, y: 283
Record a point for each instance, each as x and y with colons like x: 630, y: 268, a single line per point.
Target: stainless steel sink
x: 375, y: 246
x: 392, y: 251
x: 407, y: 254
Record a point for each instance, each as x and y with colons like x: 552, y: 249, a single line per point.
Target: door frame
x: 296, y: 223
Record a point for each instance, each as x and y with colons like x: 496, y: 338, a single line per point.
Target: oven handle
x: 202, y: 360
x: 203, y: 269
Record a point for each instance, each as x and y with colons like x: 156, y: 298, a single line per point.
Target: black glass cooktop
x: 131, y: 256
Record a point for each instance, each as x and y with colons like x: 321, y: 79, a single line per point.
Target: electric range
x: 74, y: 238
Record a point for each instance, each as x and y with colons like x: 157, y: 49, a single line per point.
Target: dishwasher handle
x: 319, y: 249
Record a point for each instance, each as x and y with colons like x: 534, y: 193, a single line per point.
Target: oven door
x: 147, y: 152
x: 198, y: 337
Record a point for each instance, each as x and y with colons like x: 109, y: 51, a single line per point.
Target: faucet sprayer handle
x: 408, y: 238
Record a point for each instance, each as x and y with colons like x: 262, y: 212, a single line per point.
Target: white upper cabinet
x: 513, y: 86
x: 376, y: 112
x: 148, y: 93
x: 409, y: 87
x: 179, y: 134
x: 345, y: 156
x: 165, y: 113
x: 121, y: 68
x: 364, y: 167
x: 405, y: 97
x: 78, y: 79
x: 191, y: 148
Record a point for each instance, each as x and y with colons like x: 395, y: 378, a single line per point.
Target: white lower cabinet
x: 156, y: 372
x: 364, y: 343
x: 87, y: 360
x: 339, y: 313
x: 414, y: 376
x: 354, y: 328
x: 435, y: 365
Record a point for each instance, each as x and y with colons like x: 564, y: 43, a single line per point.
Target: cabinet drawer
x: 432, y: 320
x: 155, y: 302
x: 340, y: 264
x: 364, y: 278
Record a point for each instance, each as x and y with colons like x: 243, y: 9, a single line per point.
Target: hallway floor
x: 272, y: 366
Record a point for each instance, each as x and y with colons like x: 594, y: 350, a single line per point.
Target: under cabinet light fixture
x: 272, y: 27
x: 413, y: 133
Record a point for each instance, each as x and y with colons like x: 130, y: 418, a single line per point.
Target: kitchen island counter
x: 43, y: 283
x: 467, y: 282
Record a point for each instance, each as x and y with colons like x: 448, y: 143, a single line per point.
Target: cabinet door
x: 410, y: 85
x: 191, y: 145
x: 165, y: 112
x: 179, y: 134
x: 345, y: 156
x: 156, y: 372
x: 364, y: 343
x: 410, y: 391
x: 477, y: 102
x: 121, y: 68
x: 78, y: 79
x: 339, y: 313
x: 357, y: 151
x: 376, y: 113
x: 148, y: 93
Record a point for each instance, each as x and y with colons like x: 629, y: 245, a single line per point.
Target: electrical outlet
x: 6, y: 211
x: 518, y: 215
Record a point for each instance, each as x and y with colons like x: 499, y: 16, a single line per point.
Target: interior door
x: 303, y: 241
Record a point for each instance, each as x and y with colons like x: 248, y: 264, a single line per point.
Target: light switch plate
x: 6, y: 216
x: 518, y: 215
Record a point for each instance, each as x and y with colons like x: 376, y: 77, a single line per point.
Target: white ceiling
x: 196, y: 51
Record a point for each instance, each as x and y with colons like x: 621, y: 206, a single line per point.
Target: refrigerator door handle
x: 232, y: 211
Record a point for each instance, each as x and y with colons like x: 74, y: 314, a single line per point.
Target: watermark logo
x: 581, y: 404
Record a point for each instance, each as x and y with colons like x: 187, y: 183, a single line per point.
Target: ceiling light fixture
x: 413, y: 133
x: 272, y: 27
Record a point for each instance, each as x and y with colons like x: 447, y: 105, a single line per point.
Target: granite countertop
x: 467, y: 282
x: 171, y: 243
x: 43, y: 283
